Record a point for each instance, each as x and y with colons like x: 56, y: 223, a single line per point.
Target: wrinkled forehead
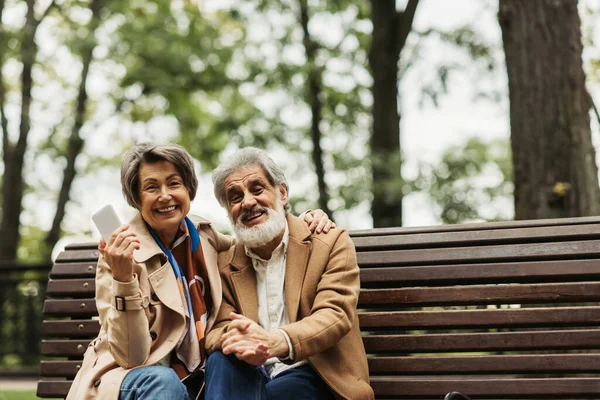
x: 246, y: 176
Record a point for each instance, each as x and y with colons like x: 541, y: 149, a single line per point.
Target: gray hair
x: 247, y: 157
x: 151, y: 153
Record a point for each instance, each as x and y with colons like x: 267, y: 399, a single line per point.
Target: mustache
x: 251, y: 211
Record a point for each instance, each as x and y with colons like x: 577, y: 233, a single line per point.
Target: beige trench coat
x: 321, y: 292
x: 154, y: 320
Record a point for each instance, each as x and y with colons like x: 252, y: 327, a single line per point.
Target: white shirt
x: 270, y: 290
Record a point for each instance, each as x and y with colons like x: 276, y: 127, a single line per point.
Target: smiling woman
x: 157, y: 286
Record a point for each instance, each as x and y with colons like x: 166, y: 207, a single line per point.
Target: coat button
x: 97, y: 383
x: 153, y: 335
x: 154, y: 296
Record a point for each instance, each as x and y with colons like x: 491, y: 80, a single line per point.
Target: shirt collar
x: 282, y: 246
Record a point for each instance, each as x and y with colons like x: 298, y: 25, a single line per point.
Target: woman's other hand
x: 118, y: 252
x: 318, y: 221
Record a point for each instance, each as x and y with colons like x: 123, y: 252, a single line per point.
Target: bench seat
x: 505, y: 310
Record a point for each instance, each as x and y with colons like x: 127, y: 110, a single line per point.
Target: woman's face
x: 164, y: 199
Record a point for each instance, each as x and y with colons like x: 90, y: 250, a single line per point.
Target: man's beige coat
x: 155, y: 316
x: 321, y: 292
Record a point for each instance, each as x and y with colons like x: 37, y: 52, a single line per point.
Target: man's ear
x: 283, y: 194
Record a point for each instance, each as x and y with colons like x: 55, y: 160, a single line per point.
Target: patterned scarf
x: 187, y: 260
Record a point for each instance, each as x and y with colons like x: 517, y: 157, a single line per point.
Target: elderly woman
x: 157, y: 286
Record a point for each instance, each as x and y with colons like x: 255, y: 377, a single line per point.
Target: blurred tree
x: 390, y: 30
x: 25, y: 51
x: 178, y: 62
x: 83, y: 47
x: 554, y: 161
x: 59, y: 146
x: 471, y: 182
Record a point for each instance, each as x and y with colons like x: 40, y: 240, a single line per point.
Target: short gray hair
x: 151, y: 153
x: 247, y: 157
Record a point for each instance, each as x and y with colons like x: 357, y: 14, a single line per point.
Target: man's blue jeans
x: 228, y: 378
x: 153, y: 383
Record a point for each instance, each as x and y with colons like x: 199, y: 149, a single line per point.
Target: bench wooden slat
x: 71, y: 328
x: 72, y: 287
x: 480, y: 294
x: 74, y: 270
x: 78, y: 308
x: 513, y: 272
x: 476, y: 226
x: 478, y: 238
x: 506, y: 310
x: 488, y: 364
x: 53, y: 388
x: 69, y: 348
x: 59, y: 368
x: 513, y: 252
x: 413, y: 388
x: 78, y: 255
x: 479, y: 341
x: 82, y: 246
x: 530, y: 317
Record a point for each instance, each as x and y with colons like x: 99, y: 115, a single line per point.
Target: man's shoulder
x: 225, y: 258
x: 299, y: 231
x: 336, y: 236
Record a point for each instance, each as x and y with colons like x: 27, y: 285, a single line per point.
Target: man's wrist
x: 288, y: 353
x: 279, y: 345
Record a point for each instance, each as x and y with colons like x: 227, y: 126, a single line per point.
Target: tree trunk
x: 314, y: 89
x: 14, y: 155
x: 555, y: 171
x: 390, y: 29
x: 75, y: 145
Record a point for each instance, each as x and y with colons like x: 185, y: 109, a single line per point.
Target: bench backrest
x: 495, y: 310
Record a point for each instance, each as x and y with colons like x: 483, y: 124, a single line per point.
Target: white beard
x: 261, y: 234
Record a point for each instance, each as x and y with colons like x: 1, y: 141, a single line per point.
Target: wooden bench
x: 507, y: 310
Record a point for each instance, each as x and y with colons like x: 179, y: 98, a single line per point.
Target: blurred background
x: 382, y: 113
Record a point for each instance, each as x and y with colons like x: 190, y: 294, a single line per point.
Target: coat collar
x: 148, y: 247
x: 244, y: 279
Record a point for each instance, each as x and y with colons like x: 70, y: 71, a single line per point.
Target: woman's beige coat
x: 154, y: 319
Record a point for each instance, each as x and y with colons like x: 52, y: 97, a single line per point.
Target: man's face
x: 249, y: 195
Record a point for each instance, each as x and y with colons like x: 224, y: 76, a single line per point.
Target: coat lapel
x: 161, y: 275
x: 243, y: 282
x: 298, y: 252
x: 214, y: 280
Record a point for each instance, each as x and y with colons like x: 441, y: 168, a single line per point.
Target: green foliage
x: 470, y: 181
x: 177, y: 62
x: 32, y: 247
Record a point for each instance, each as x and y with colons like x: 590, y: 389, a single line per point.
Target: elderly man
x: 287, y: 326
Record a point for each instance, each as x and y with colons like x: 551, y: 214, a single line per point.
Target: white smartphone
x: 106, y: 220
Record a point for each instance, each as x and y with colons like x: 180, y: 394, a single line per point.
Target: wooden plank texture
x: 74, y: 270
x: 498, y: 318
x: 71, y: 328
x: 47, y: 388
x: 501, y: 364
x: 511, y: 272
x: 429, y: 308
x: 415, y: 388
x: 59, y: 368
x: 483, y: 341
x: 77, y: 308
x: 500, y: 253
x: 71, y: 287
x: 479, y: 294
x: 68, y: 348
x: 478, y: 238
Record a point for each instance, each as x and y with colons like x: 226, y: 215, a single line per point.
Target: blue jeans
x: 228, y: 378
x: 153, y: 383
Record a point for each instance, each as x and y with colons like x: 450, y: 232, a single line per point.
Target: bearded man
x: 287, y: 326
